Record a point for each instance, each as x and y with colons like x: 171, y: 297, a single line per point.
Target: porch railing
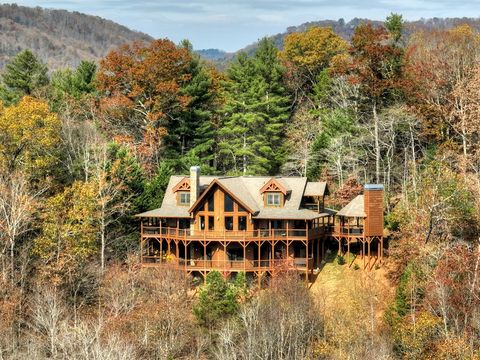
x: 348, y: 230
x: 234, y: 234
x: 246, y: 264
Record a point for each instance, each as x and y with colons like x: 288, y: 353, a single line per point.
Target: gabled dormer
x: 274, y: 193
x: 182, y: 192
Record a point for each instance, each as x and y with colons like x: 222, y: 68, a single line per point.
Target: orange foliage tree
x: 141, y: 86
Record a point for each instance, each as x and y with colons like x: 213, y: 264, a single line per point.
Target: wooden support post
x: 323, y: 249
x: 369, y: 253
x: 177, y: 250
x: 259, y: 254
x: 318, y: 252
x: 363, y: 252
x: 306, y: 261
x: 348, y: 251
x: 185, y: 260
x: 244, y: 255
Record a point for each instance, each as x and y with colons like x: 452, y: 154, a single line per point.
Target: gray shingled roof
x: 315, y: 188
x: 354, y: 208
x: 247, y: 189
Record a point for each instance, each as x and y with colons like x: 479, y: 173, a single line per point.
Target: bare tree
x: 17, y: 205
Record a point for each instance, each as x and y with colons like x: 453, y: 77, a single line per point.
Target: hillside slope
x: 61, y: 38
x: 343, y: 29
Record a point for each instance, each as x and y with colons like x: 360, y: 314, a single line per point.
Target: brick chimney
x: 194, y: 184
x: 373, y: 205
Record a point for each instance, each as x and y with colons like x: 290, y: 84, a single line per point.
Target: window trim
x: 179, y: 198
x: 272, y: 195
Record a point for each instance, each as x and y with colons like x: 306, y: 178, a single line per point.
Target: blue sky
x: 233, y: 24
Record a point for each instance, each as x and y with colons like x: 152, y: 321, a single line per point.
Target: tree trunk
x: 377, y: 143
x: 102, y: 238
x: 12, y: 259
x: 244, y: 154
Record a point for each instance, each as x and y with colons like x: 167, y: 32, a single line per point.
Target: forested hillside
x: 84, y: 149
x: 60, y: 38
x: 345, y: 30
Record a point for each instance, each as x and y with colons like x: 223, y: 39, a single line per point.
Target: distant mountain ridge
x: 60, y: 38
x: 343, y: 29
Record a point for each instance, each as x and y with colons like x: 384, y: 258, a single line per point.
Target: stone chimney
x: 194, y: 184
x: 373, y: 205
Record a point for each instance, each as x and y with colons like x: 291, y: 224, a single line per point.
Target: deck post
x: 185, y: 260
x: 363, y: 252
x: 369, y: 253
x: 306, y: 261
x: 348, y: 251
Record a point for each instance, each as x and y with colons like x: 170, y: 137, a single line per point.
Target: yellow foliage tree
x: 29, y: 135
x: 311, y: 51
x: 69, y: 231
x: 415, y: 336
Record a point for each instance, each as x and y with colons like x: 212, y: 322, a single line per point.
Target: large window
x: 242, y: 223
x: 228, y: 203
x: 210, y: 205
x: 202, y: 222
x: 274, y: 199
x: 183, y: 198
x: 211, y: 223
x: 228, y: 222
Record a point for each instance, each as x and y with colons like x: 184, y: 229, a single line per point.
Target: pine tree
x: 217, y: 299
x: 255, y: 114
x: 191, y: 135
x: 22, y: 76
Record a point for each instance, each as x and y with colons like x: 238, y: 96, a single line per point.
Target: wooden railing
x: 246, y: 264
x: 233, y: 234
x: 348, y: 230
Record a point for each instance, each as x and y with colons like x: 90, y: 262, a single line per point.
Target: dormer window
x: 183, y: 198
x: 273, y: 199
x: 274, y: 193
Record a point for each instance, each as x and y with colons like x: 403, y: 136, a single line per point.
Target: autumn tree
x: 438, y: 62
x: 141, y: 86
x: 306, y: 54
x: 376, y: 68
x: 29, y: 138
x: 24, y: 74
x: 69, y: 232
x: 117, y: 178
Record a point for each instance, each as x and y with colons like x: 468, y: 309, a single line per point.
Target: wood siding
x: 374, y: 210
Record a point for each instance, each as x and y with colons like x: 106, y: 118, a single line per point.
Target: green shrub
x: 218, y: 299
x: 356, y: 267
x: 340, y: 260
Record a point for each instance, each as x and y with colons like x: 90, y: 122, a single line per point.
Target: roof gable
x: 183, y: 185
x: 274, y: 185
x: 218, y: 182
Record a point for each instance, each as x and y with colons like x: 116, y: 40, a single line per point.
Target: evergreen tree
x: 217, y: 299
x: 191, y: 135
x: 255, y: 113
x: 71, y: 84
x: 22, y: 76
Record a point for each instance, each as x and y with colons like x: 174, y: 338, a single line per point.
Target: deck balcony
x: 246, y: 265
x: 232, y: 235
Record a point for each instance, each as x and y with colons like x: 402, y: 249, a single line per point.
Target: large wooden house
x: 258, y: 225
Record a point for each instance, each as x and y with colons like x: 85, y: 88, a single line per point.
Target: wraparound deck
x: 300, y: 264
x: 232, y: 235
